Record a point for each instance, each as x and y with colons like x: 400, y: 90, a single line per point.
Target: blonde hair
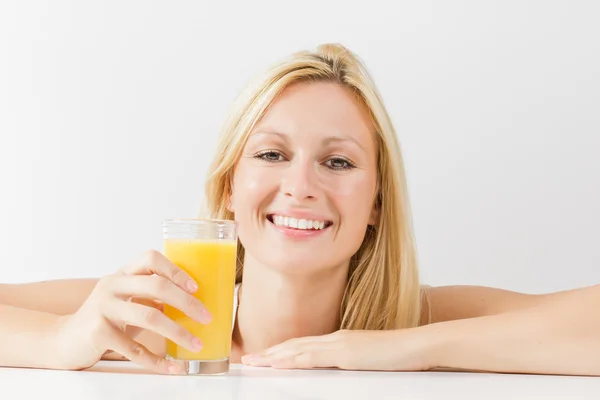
x: 383, y: 290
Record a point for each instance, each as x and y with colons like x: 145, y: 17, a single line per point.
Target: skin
x: 71, y: 324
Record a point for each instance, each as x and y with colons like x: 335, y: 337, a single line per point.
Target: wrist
x: 421, y: 347
x: 60, y: 342
x: 49, y: 344
x: 29, y: 338
x: 434, y: 344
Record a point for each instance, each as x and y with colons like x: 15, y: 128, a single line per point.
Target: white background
x: 110, y: 110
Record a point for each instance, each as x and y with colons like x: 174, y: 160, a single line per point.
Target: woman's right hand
x: 122, y: 304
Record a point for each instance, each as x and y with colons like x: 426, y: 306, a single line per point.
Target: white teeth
x: 298, y: 223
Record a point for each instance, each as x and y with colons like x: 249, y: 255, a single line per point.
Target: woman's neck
x: 274, y: 307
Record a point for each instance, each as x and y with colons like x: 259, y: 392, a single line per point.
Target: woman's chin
x: 298, y: 266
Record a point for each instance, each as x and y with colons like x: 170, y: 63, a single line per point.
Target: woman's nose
x: 300, y: 181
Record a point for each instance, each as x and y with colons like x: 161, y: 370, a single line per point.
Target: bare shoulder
x: 446, y: 303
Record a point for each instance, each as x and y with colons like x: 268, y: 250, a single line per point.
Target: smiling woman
x: 308, y: 147
x: 331, y: 181
x: 310, y: 139
x: 310, y: 168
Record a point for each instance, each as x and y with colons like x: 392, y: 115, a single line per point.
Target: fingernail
x: 249, y: 359
x: 197, y: 343
x: 192, y: 286
x: 206, y: 316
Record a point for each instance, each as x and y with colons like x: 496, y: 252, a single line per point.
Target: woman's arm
x: 556, y: 334
x: 60, y: 297
x: 449, y: 303
x: 483, y: 329
x: 29, y: 316
x: 109, y: 318
x: 42, y: 302
x: 27, y: 337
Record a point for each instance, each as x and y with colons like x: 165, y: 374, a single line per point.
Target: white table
x: 123, y: 380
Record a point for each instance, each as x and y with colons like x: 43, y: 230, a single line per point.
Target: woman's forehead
x: 323, y: 110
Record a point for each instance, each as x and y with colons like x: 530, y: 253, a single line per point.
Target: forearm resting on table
x: 27, y: 337
x: 24, y: 307
x: 559, y: 336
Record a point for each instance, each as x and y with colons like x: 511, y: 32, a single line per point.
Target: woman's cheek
x: 353, y: 197
x: 252, y: 185
x: 356, y: 185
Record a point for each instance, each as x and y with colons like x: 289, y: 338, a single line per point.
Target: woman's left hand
x: 393, y: 350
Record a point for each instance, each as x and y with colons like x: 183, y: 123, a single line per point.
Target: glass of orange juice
x: 205, y: 249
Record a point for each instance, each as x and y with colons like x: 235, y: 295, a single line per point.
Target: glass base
x: 203, y: 367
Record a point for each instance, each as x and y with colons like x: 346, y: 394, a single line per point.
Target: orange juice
x: 211, y: 263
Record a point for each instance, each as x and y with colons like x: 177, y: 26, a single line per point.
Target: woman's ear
x: 229, y: 203
x: 374, y: 217
x: 375, y: 212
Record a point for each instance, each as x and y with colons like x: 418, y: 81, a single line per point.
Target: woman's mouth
x: 299, y: 224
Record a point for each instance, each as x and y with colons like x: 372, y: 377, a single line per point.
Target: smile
x: 297, y: 223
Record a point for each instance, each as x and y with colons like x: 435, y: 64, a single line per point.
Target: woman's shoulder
x: 446, y: 303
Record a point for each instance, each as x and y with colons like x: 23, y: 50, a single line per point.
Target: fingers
x: 159, y: 288
x: 295, y: 359
x: 309, y: 352
x: 318, y: 358
x: 153, y: 262
x: 291, y: 344
x: 151, y: 319
x: 140, y: 355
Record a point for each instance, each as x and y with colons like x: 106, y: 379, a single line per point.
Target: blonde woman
x: 310, y: 168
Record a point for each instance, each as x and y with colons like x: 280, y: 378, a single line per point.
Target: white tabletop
x: 123, y: 380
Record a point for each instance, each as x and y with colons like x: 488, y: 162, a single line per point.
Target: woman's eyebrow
x: 326, y: 140
x: 337, y: 138
x: 268, y: 132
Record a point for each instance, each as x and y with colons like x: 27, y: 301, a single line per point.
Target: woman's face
x: 304, y: 187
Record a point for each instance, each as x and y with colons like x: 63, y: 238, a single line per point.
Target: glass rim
x: 198, y: 221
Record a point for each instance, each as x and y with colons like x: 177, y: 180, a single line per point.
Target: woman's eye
x: 338, y: 163
x: 270, y: 156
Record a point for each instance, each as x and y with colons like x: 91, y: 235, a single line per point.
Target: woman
x: 310, y: 168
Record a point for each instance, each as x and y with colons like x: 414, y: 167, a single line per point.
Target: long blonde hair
x: 383, y: 290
